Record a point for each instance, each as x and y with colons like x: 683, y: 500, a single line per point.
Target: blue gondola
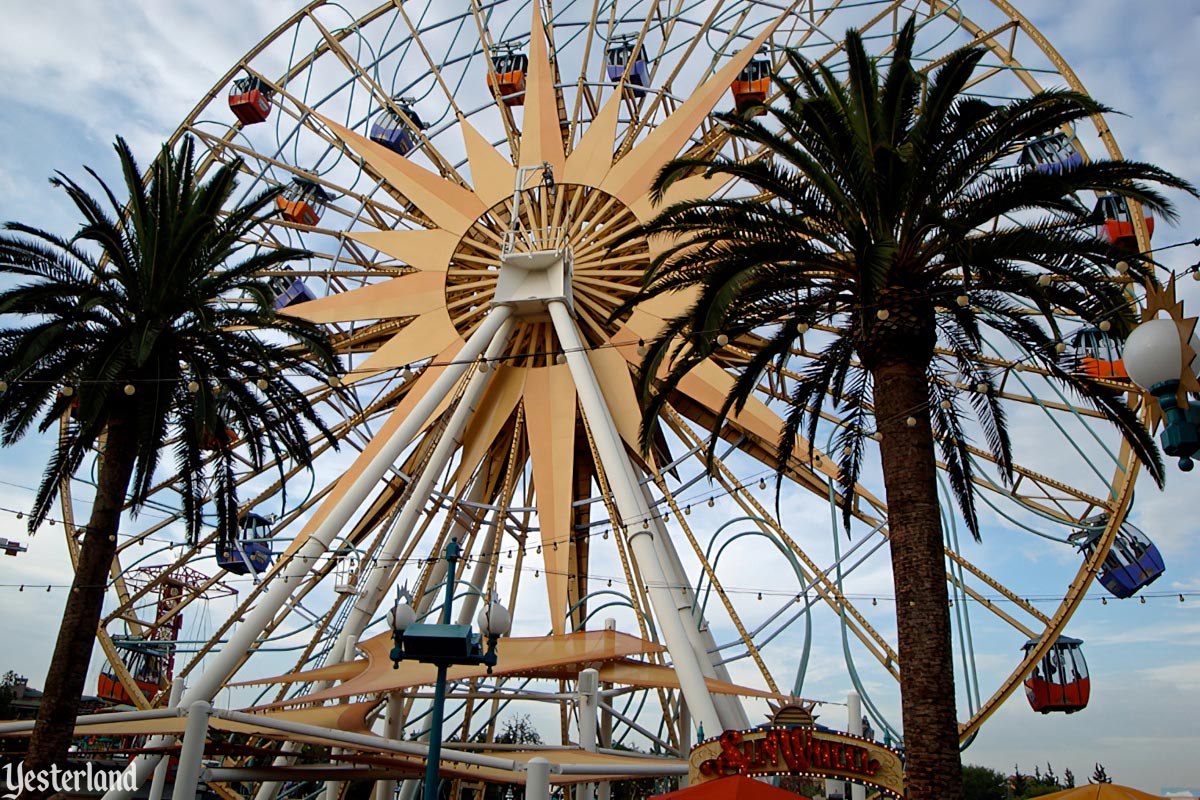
x: 1051, y: 153
x: 620, y: 51
x: 1132, y: 562
x: 251, y: 551
x: 390, y: 129
x: 289, y: 290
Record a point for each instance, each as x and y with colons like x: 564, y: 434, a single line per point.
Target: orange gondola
x: 1116, y: 223
x: 752, y: 85
x: 303, y: 202
x: 1097, y: 354
x: 507, y: 78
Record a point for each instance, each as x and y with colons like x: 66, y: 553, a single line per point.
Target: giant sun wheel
x: 471, y: 177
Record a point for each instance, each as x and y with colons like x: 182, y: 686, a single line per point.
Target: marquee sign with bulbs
x: 799, y: 749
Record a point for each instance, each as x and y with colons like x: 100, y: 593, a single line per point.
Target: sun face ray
x: 541, y: 134
x: 406, y: 296
x: 449, y: 205
x: 492, y: 175
x: 495, y: 409
x: 550, y: 426
x: 426, y: 250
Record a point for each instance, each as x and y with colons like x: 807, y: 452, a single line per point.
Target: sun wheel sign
x: 801, y: 751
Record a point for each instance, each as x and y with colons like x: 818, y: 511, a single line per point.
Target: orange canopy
x: 735, y: 787
x: 1101, y: 791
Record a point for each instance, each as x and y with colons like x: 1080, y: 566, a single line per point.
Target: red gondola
x: 1116, y: 224
x: 302, y: 202
x: 507, y: 78
x: 250, y: 100
x: 752, y: 85
x: 1059, y: 682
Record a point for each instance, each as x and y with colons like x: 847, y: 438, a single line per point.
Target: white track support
x: 386, y: 789
x: 632, y: 507
x: 587, y: 698
x: 854, y: 720
x: 537, y: 779
x: 729, y: 707
x: 191, y: 754
x: 483, y: 567
x: 160, y: 772
x: 297, y: 568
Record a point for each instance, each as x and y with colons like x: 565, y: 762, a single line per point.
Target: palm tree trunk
x: 77, y: 635
x: 933, y: 766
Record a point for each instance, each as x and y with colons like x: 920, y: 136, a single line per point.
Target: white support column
x: 483, y: 567
x: 242, y: 640
x: 604, y: 788
x: 187, y: 775
x: 160, y: 772
x: 587, y: 698
x: 633, y: 510
x: 386, y: 789
x: 537, y: 779
x: 376, y: 583
x: 729, y: 707
x: 854, y: 725
x: 378, y: 577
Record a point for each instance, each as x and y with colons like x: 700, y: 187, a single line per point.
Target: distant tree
x: 642, y: 787
x: 1068, y: 779
x: 1050, y: 777
x: 1018, y: 782
x: 984, y: 783
x: 518, y: 730
x: 1099, y: 775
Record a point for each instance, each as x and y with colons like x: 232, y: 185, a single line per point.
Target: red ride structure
x: 149, y: 649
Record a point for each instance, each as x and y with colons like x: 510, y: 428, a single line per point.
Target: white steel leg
x: 633, y: 510
x: 260, y: 616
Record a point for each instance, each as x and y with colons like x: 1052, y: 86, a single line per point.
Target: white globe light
x: 1153, y: 353
x: 494, y: 619
x: 401, y: 616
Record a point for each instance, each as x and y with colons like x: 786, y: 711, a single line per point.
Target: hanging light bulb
x: 911, y: 422
x: 261, y: 383
x: 882, y: 314
x: 1122, y: 266
x: 22, y: 588
x: 1060, y: 347
x: 801, y: 328
x: 1181, y: 597
x: 946, y: 404
x: 537, y: 573
x: 1103, y: 601
x: 645, y: 524
x: 193, y: 387
x: 963, y: 301
x: 1106, y: 326
x: 1143, y: 599
x: 67, y: 391
x: 610, y: 583
x: 539, y: 549
x: 760, y: 595
x: 605, y: 535
x: 129, y: 389
x: 762, y: 483
x: 722, y: 340
x: 711, y: 502
x: 847, y: 450
x: 641, y: 348
x: 483, y: 364
x: 874, y: 601
x: 1043, y: 280
x: 20, y: 515
x: 47, y: 588
x: 561, y: 358
x: 981, y: 387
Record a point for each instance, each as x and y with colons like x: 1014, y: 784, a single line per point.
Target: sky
x: 70, y: 82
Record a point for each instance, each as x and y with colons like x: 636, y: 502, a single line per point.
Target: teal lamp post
x: 444, y: 645
x: 1154, y: 360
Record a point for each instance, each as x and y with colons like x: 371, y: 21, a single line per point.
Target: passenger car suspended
x: 507, y: 78
x: 251, y: 551
x: 1096, y: 353
x: 1116, y: 223
x: 752, y: 85
x: 303, y: 202
x: 1051, y: 153
x: 1059, y: 682
x: 620, y: 53
x: 398, y: 129
x: 250, y: 99
x: 1132, y: 562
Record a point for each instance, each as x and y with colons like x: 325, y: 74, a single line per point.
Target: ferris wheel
x: 471, y: 178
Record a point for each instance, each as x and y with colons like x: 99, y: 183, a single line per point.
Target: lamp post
x: 444, y: 645
x: 1154, y: 360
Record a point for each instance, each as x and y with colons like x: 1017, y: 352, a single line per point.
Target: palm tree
x: 879, y: 215
x: 146, y: 329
